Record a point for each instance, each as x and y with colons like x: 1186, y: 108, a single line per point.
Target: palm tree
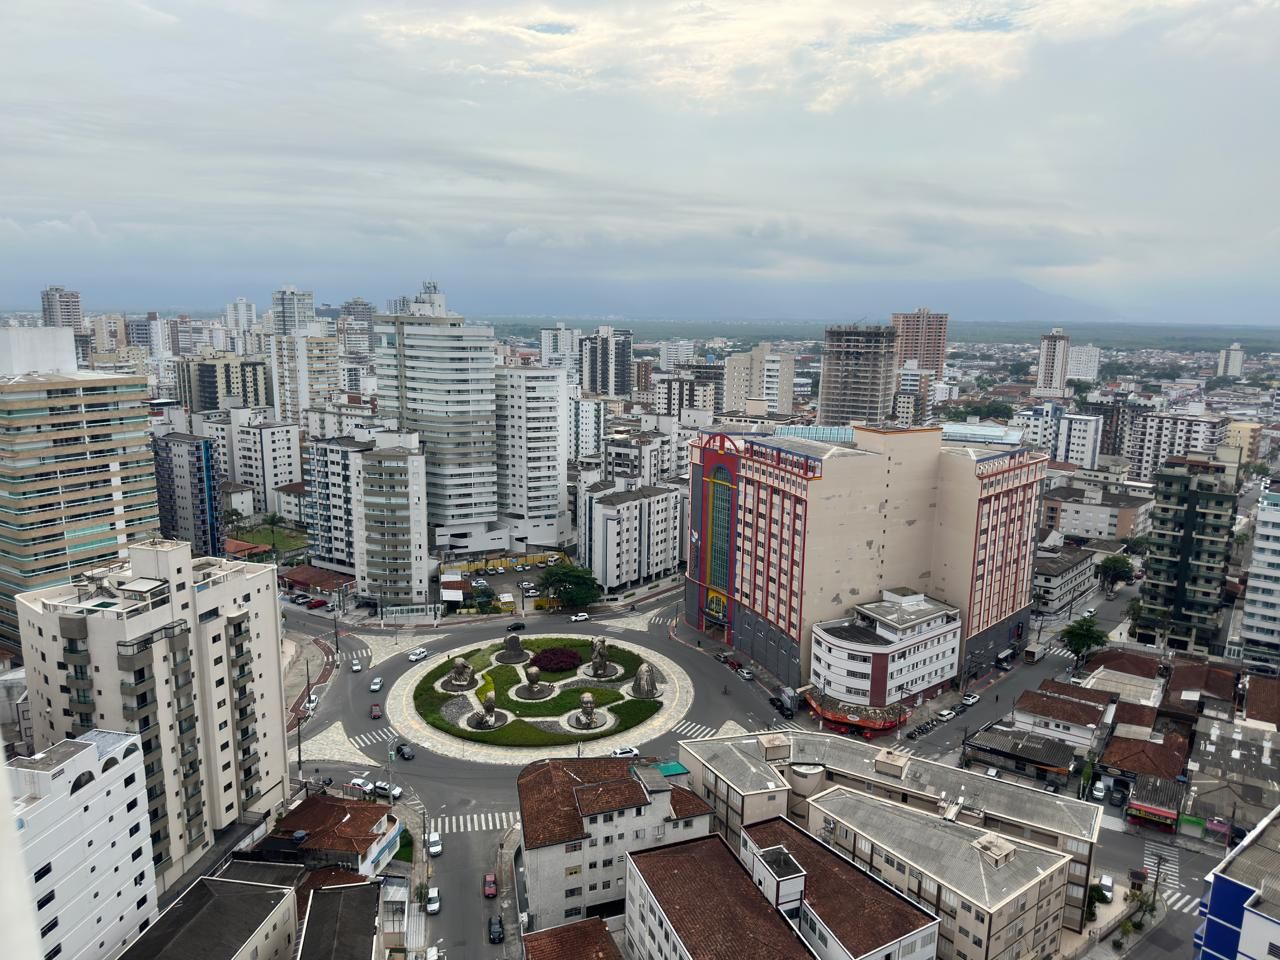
x: 231, y: 520
x: 273, y: 520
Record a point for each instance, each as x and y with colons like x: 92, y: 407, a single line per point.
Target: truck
x: 1032, y: 653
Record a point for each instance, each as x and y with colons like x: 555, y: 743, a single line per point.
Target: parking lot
x: 507, y: 574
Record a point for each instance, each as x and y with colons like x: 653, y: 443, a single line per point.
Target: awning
x: 451, y: 596
x: 1004, y: 654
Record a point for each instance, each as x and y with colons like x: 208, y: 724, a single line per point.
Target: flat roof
x: 916, y: 608
x: 1023, y: 743
x: 213, y: 919
x: 342, y: 923
x: 952, y: 852
x: 1257, y: 858
x: 51, y: 757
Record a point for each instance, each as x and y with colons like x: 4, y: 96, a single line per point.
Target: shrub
x: 557, y: 660
x: 1138, y: 925
x: 1117, y: 943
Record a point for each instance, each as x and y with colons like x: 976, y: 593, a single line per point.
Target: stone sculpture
x: 645, y: 684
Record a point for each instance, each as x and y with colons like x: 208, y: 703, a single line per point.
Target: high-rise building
x: 1260, y: 627
x: 560, y: 349
x: 137, y: 332
x: 252, y: 449
x: 241, y: 314
x: 184, y: 652
x: 216, y: 380
x: 436, y: 375
x: 630, y: 534
x: 922, y: 337
x: 358, y: 309
x: 707, y: 373
x: 1051, y: 374
x: 533, y: 455
x: 1187, y: 554
x: 673, y: 352
x: 1231, y: 361
x: 305, y: 364
x: 60, y: 307
x: 292, y: 308
x: 587, y: 419
x: 81, y: 808
x: 859, y: 375
x: 1083, y: 363
x: 604, y: 362
x: 190, y: 492
x: 759, y: 374
x: 77, y: 479
x: 1153, y: 438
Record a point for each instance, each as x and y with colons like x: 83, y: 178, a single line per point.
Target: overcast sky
x: 773, y: 158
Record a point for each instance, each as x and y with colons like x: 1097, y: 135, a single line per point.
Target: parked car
x: 969, y: 699
x: 527, y: 584
x: 491, y: 571
x: 959, y: 708
x: 384, y: 789
x: 579, y: 618
x: 419, y: 653
x: 435, y: 846
x: 490, y: 885
x: 733, y: 664
x: 479, y: 582
x: 531, y: 594
x: 1092, y: 611
x: 356, y: 666
x: 375, y: 711
x: 1118, y: 797
x: 746, y: 673
x: 786, y: 712
x: 775, y: 702
x: 375, y: 684
x: 518, y: 625
x: 300, y: 599
x: 946, y: 716
x: 1108, y: 886
x: 364, y: 786
x: 433, y: 900
x: 625, y: 752
x: 405, y: 751
x: 316, y: 604
x: 496, y: 931
x: 1099, y: 791
x: 722, y: 656
x: 1050, y: 787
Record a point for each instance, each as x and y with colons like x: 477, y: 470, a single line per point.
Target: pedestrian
x: 997, y: 698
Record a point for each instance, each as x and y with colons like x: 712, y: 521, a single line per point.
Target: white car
x: 531, y: 594
x: 356, y: 666
x: 479, y: 582
x: 946, y: 716
x: 359, y: 783
x: 433, y: 900
x: 375, y: 684
x: 969, y: 699
x: 313, y: 701
x: 435, y: 846
x: 579, y: 618
x: 419, y: 654
x: 527, y: 585
x: 625, y: 752
x: 384, y: 789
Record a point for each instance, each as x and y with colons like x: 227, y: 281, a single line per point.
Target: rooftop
x: 584, y: 940
x: 297, y: 488
x: 1144, y: 756
x: 956, y: 854
x: 1135, y: 714
x: 632, y: 496
x: 1257, y: 858
x: 1024, y: 744
x: 212, y: 920
x: 333, y: 823
x: 1077, y: 495
x: 1157, y: 792
x: 1098, y: 697
x: 1123, y: 661
x: 686, y: 877
x: 1060, y: 709
x: 911, y: 609
x: 264, y: 871
x: 1262, y: 699
x: 52, y: 757
x: 1233, y: 772
x: 1060, y: 561
x: 860, y: 910
x: 1189, y: 682
x: 342, y: 923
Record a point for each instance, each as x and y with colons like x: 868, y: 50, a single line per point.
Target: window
x: 573, y: 912
x: 134, y: 829
x: 131, y: 805
x: 606, y: 885
x: 130, y: 779
x: 572, y: 871
x: 639, y: 834
x: 573, y: 847
x: 592, y: 819
x: 55, y: 951
x: 44, y: 901
x: 573, y: 892
x: 49, y: 927
x: 43, y: 872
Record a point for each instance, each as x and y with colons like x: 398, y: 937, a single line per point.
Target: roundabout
x: 513, y: 702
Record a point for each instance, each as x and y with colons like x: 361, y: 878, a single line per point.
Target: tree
x: 1134, y: 610
x: 1137, y: 546
x: 572, y: 586
x: 273, y: 520
x: 231, y: 519
x: 1113, y: 569
x: 1082, y: 636
x: 1019, y: 369
x: 1080, y: 387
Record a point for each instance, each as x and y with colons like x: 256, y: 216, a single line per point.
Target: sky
x: 808, y: 158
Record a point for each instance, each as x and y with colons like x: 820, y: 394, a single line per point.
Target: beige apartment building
x: 761, y: 373
x: 185, y: 653
x: 209, y: 381
x: 305, y: 365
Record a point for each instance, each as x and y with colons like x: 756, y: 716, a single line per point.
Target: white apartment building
x: 306, y: 369
x: 630, y: 534
x: 241, y: 314
x: 588, y: 417
x: 900, y: 649
x: 253, y: 450
x: 337, y: 419
x: 1078, y: 441
x: 80, y: 807
x: 60, y: 307
x: 1083, y: 363
x: 329, y: 475
x: 186, y: 654
x: 436, y: 375
x: 1082, y: 721
x: 578, y: 818
x: 1260, y: 627
x: 533, y: 455
x: 291, y: 310
x: 1155, y: 437
x: 389, y: 520
x: 1051, y: 375
x: 604, y: 362
x: 760, y: 374
x: 1039, y: 424
x: 1231, y: 361
x: 672, y: 352
x: 560, y: 349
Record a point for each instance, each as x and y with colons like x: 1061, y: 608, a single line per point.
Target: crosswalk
x: 474, y: 822
x: 689, y: 730
x: 1164, y: 857
x: 1059, y: 651
x: 380, y: 735
x: 346, y: 655
x: 1179, y: 902
x: 662, y: 621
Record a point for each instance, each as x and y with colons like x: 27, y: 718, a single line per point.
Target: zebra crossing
x: 1164, y: 858
x: 1059, y: 651
x: 1179, y: 902
x: 662, y: 621
x: 358, y: 653
x: 474, y: 822
x: 381, y: 735
x: 688, y: 730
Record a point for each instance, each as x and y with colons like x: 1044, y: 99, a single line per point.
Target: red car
x: 490, y: 885
x: 316, y: 604
x: 375, y: 711
x: 733, y: 664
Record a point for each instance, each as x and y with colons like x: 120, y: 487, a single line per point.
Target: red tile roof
x: 314, y: 578
x: 1083, y: 694
x: 334, y: 823
x: 1216, y: 682
x: 548, y: 803
x: 243, y: 548
x: 1263, y: 699
x: 712, y: 905
x: 1123, y: 661
x: 584, y: 940
x: 1135, y: 714
x: 686, y: 804
x: 596, y: 798
x: 1059, y: 708
x: 1142, y: 756
x: 863, y: 913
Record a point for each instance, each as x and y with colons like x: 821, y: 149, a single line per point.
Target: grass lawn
x: 285, y: 539
x: 405, y: 852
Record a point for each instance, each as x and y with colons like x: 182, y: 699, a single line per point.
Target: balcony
x: 186, y: 712
x: 78, y: 683
x: 249, y: 779
x: 248, y: 737
x: 183, y: 681
x: 135, y: 688
x: 250, y: 760
x: 241, y: 678
x: 191, y: 777
x: 246, y: 701
x: 242, y: 659
x: 155, y: 776
x: 136, y: 712
x: 75, y: 655
x: 243, y: 721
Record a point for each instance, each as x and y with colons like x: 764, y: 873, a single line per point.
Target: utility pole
x: 303, y: 719
x: 335, y: 638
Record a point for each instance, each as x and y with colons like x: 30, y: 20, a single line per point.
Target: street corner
x: 332, y: 744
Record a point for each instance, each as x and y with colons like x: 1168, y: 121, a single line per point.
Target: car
x: 1118, y: 797
x: 531, y: 594
x: 316, y: 604
x: 959, y: 708
x: 499, y: 571
x: 946, y: 716
x: 733, y: 664
x: 433, y: 900
x: 527, y: 584
x: 384, y: 789
x: 1092, y: 611
x: 1108, y: 886
x: 490, y: 885
x: 786, y: 713
x: 375, y: 711
x: 356, y: 666
x: 746, y: 673
x: 491, y: 571
x: 969, y: 699
x: 579, y: 618
x: 479, y: 582
x: 313, y: 701
x: 722, y: 656
x: 300, y: 599
x: 515, y: 626
x: 775, y: 702
x: 625, y: 752
x: 435, y: 846
x: 405, y: 751
x: 359, y: 783
x: 1050, y: 787
x: 1099, y: 791
x: 519, y: 568
x: 417, y: 654
x: 496, y: 931
x: 375, y: 684
x: 541, y: 564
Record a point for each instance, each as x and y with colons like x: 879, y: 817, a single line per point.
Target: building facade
x: 291, y: 310
x: 1051, y: 374
x: 214, y: 380
x: 253, y: 450
x: 189, y: 490
x: 673, y: 352
x: 1096, y: 514
x: 1240, y: 907
x: 1231, y: 361
x: 560, y: 350
x: 859, y: 375
x: 630, y: 534
x: 1083, y: 363
x: 60, y: 307
x: 922, y: 337
x: 390, y: 535
x: 533, y: 455
x: 604, y: 362
x: 240, y: 314
x: 1260, y: 626
x: 185, y: 653
x: 762, y: 373
x: 1155, y: 437
x: 306, y: 371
